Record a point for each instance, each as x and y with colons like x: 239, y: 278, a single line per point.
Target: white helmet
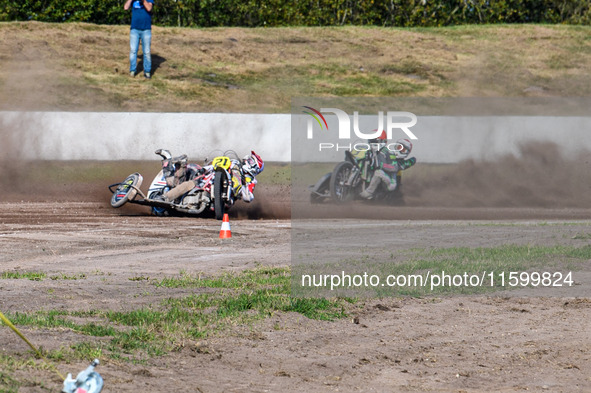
x: 403, y: 148
x: 253, y: 164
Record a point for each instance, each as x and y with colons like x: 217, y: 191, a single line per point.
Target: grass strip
x: 16, y: 275
x: 480, y: 261
x: 225, y: 301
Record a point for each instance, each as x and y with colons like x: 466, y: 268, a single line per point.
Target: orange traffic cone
x: 225, y: 232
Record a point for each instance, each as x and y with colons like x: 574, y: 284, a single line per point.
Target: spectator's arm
x: 148, y: 5
x: 127, y: 5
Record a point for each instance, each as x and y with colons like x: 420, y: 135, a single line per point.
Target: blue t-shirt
x: 141, y: 19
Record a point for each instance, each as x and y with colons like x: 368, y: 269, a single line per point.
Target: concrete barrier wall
x: 449, y: 139
x: 135, y: 136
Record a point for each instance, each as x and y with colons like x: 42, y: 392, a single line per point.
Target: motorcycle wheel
x: 219, y: 205
x: 126, y: 191
x: 340, y: 192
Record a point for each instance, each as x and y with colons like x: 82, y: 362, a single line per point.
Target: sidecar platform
x: 128, y: 191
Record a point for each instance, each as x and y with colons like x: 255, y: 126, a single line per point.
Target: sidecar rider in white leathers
x: 176, y: 174
x: 244, y: 176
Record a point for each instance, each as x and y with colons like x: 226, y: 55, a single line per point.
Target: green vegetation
x: 39, y: 276
x: 253, y: 13
x: 246, y: 280
x: 480, y: 261
x: 231, y: 302
x: 10, y: 364
x: 259, y: 70
x: 7, y: 383
x: 219, y: 304
x: 63, y: 276
x: 33, y: 276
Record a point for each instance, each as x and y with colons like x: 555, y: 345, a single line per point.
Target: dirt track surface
x: 74, y: 238
x: 467, y: 344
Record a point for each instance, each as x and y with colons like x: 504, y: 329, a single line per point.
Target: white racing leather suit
x: 243, y: 182
x: 175, y: 173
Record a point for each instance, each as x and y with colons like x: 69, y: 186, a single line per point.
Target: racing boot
x: 365, y: 194
x: 373, y: 185
x: 165, y: 154
x: 179, y: 190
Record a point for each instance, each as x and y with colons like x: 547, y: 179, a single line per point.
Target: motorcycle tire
x: 320, y: 189
x: 126, y: 191
x: 219, y: 183
x: 339, y: 192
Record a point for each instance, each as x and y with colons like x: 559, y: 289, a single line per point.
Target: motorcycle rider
x: 244, y: 175
x: 243, y: 171
x: 388, y: 164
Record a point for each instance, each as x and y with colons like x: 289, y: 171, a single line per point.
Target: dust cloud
x: 537, y: 181
x: 540, y: 176
x: 540, y: 182
x: 12, y: 163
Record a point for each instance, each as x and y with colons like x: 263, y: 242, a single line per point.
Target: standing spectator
x: 141, y: 29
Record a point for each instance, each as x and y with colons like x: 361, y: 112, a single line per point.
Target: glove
x: 408, y: 163
x: 167, y: 168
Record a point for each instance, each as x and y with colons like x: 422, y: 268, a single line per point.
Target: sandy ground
x: 460, y: 344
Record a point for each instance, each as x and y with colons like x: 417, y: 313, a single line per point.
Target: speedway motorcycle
x: 349, y: 178
x: 213, y: 190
